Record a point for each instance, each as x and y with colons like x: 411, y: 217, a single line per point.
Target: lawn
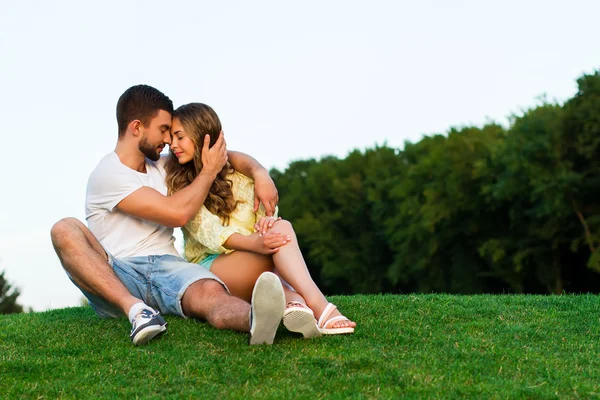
x: 409, y: 346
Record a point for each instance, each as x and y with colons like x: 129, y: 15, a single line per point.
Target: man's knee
x: 202, y: 300
x: 201, y: 297
x: 61, y: 232
x: 213, y: 287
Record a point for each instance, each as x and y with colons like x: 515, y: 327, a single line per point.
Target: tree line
x: 487, y: 209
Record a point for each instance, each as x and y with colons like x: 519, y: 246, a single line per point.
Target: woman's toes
x: 346, y: 324
x: 342, y: 324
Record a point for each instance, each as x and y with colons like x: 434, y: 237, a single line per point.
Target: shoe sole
x: 336, y: 331
x: 147, y: 334
x: 301, y: 321
x: 268, y: 304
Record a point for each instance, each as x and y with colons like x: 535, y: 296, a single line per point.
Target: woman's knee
x: 283, y: 226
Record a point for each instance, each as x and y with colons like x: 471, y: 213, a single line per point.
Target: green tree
x: 547, y: 181
x: 335, y: 207
x: 481, y: 209
x: 438, y: 217
x: 580, y: 140
x: 8, y: 297
x: 529, y: 187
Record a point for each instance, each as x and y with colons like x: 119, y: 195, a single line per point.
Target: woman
x: 235, y: 243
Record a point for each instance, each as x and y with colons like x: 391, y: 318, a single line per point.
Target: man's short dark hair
x: 141, y: 102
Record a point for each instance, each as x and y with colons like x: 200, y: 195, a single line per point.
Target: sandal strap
x: 334, y: 320
x: 325, y: 314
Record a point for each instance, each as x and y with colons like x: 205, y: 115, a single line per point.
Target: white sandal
x: 323, y: 322
x: 299, y: 318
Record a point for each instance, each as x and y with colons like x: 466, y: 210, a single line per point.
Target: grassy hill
x: 414, y: 346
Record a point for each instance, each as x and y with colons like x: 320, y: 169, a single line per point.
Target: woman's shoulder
x: 242, y: 186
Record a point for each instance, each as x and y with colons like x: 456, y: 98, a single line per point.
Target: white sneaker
x: 146, y: 325
x: 266, y: 310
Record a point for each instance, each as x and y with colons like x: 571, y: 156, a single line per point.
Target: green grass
x: 411, y: 346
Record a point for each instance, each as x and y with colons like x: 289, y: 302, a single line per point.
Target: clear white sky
x: 290, y: 80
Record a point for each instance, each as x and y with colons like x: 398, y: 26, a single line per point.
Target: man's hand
x: 270, y: 243
x: 215, y: 158
x: 265, y: 192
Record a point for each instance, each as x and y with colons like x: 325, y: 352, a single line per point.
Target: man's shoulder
x: 109, y: 167
x: 109, y: 161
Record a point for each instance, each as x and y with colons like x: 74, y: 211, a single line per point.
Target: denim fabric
x: 159, y: 281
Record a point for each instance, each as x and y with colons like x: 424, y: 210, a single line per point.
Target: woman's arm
x: 245, y: 164
x: 206, y: 228
x: 256, y: 243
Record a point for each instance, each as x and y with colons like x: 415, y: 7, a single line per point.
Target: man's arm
x: 245, y: 164
x: 176, y: 210
x: 264, y: 188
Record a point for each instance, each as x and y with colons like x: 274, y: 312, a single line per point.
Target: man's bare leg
x: 82, y: 256
x: 207, y: 299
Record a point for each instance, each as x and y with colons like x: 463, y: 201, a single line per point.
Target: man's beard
x: 148, y: 150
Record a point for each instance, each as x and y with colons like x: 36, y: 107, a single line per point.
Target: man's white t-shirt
x: 121, y: 234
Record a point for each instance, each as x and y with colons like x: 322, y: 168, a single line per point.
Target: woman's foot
x: 292, y: 303
x: 332, y: 322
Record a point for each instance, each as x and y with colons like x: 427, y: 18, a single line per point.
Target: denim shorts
x: 159, y: 281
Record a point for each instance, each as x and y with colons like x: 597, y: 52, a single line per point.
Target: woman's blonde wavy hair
x: 199, y: 120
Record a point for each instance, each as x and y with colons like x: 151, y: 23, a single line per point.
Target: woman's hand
x: 265, y: 192
x: 270, y: 242
x: 265, y: 224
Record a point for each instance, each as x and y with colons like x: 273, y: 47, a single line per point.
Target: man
x: 126, y: 261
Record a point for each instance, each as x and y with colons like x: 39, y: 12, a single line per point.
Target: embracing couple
x: 242, y: 268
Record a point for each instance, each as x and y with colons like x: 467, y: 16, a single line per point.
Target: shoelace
x: 145, y: 313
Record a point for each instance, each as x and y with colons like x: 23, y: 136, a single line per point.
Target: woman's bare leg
x: 240, y: 270
x: 290, y: 265
x: 290, y: 294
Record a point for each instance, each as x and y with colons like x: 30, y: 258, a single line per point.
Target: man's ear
x: 136, y: 127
